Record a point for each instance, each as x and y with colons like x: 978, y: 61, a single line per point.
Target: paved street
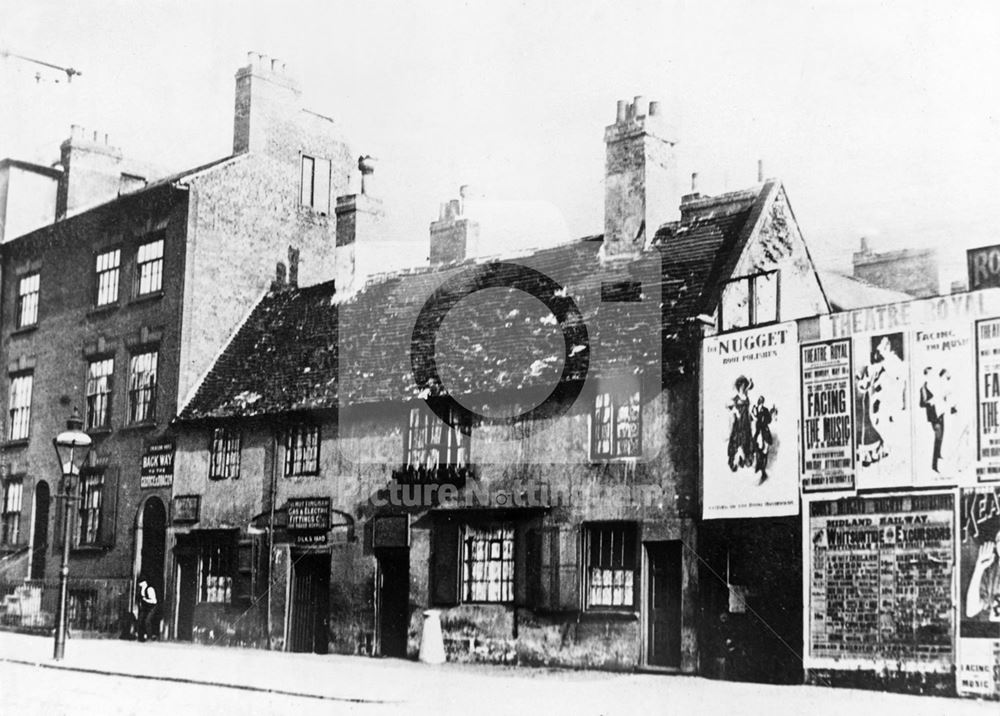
x: 114, y: 677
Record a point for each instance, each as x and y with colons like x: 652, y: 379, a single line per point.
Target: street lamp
x: 72, y: 447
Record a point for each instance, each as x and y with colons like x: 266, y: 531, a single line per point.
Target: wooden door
x: 393, y: 601
x: 308, y: 630
x: 187, y: 595
x: 663, y: 637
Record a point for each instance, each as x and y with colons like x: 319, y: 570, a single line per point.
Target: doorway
x: 187, y: 594
x: 663, y: 603
x: 40, y: 531
x: 310, y: 603
x: 153, y: 542
x: 393, y: 601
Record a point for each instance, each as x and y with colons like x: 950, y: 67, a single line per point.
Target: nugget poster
x: 827, y: 417
x: 750, y: 427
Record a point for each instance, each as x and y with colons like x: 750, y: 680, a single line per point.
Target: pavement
x: 277, y: 682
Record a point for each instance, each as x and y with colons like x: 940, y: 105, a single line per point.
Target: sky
x: 881, y: 118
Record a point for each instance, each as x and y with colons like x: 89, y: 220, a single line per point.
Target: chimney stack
x: 640, y: 192
x: 694, y: 195
x: 92, y: 170
x: 267, y: 100
x: 454, y: 233
x: 359, y: 219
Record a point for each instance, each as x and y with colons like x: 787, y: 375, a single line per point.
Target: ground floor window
x: 12, y: 493
x: 91, y: 492
x: 217, y: 565
x: 488, y: 564
x: 611, y: 564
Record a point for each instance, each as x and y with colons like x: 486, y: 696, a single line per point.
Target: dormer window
x: 749, y: 301
x: 315, y: 188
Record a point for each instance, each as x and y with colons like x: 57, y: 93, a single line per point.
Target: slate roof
x: 310, y: 348
x: 847, y: 293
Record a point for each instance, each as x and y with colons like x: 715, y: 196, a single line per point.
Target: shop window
x: 616, y: 424
x: 107, y: 267
x: 315, y: 187
x: 100, y: 374
x: 12, y: 493
x: 224, y: 459
x: 432, y: 442
x: 749, y: 301
x: 302, y: 450
x: 149, y: 268
x: 142, y: 387
x: 488, y: 564
x: 19, y: 409
x: 217, y: 564
x: 27, y: 300
x: 611, y: 565
x: 89, y: 512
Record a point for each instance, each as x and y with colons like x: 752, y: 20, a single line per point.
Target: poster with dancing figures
x: 750, y: 428
x: 882, y: 410
x: 943, y: 402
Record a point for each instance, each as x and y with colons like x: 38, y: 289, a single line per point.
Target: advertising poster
x: 944, y: 399
x: 750, y: 427
x: 880, y: 589
x: 979, y: 593
x: 827, y: 417
x: 988, y: 399
x: 883, y: 405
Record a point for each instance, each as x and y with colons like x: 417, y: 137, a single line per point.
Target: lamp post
x: 72, y: 447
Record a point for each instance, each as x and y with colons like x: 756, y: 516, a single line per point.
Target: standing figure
x: 147, y: 610
x: 741, y: 443
x: 931, y: 400
x: 762, y: 438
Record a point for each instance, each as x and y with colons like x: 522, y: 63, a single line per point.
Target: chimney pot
x: 760, y: 171
x: 366, y: 165
x: 694, y: 182
x: 621, y: 111
x: 640, y: 105
x: 654, y: 108
x: 293, y: 267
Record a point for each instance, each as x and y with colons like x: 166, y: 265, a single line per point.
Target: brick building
x: 911, y: 271
x: 350, y: 461
x: 121, y: 305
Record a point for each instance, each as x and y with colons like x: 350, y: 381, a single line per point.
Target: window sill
x: 147, y: 297
x: 25, y: 330
x: 85, y: 549
x: 103, y: 310
x: 300, y: 474
x: 143, y: 425
x: 99, y: 432
x: 605, y: 614
x: 598, y: 461
x: 21, y: 442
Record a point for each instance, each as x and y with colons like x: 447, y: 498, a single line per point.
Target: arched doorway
x: 152, y: 542
x: 40, y: 531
